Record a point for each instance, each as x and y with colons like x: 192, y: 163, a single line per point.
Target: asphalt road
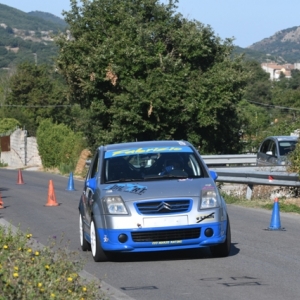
x: 262, y: 265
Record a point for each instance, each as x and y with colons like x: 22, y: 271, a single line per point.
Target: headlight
x: 115, y: 205
x: 208, y: 199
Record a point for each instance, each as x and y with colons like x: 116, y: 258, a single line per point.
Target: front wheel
x: 97, y: 251
x: 223, y: 249
x: 85, y: 245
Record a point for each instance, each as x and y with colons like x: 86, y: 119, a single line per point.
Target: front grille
x: 165, y: 235
x: 163, y: 207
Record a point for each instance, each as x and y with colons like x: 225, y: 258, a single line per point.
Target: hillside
x: 27, y: 36
x: 284, y: 45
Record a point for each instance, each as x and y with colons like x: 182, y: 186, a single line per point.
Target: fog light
x: 123, y: 238
x: 208, y: 232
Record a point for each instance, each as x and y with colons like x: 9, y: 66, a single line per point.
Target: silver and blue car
x: 151, y: 196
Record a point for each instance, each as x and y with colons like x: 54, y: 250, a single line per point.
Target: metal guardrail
x: 230, y: 159
x: 246, y: 172
x: 275, y: 176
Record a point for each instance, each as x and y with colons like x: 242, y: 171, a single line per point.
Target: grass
x: 29, y: 271
x: 3, y: 164
x: 260, y: 202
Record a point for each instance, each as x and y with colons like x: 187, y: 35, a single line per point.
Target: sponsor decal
x: 146, y: 150
x: 105, y: 239
x: 203, y: 217
x: 167, y: 242
x: 127, y: 187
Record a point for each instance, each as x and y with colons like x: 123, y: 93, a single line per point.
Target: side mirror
x: 91, y: 183
x: 213, y: 175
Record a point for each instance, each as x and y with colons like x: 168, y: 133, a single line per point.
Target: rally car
x: 151, y: 196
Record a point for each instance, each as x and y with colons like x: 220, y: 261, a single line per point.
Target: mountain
x: 27, y: 36
x: 48, y: 17
x: 284, y: 45
x: 15, y: 18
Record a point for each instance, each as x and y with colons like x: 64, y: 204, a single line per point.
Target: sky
x: 247, y: 21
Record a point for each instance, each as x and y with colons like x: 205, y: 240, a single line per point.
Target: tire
x: 85, y: 245
x: 97, y: 251
x: 223, y: 249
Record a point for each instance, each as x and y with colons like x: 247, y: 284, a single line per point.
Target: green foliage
x: 37, y: 93
x: 44, y: 272
x: 294, y: 158
x: 284, y: 207
x: 58, y: 145
x: 3, y: 164
x: 7, y: 124
x: 146, y: 73
x: 26, y: 44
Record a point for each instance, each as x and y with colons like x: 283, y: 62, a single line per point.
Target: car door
x: 88, y: 193
x: 262, y: 156
x: 272, y: 154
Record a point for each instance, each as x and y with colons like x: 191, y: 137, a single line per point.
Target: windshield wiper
x: 124, y: 180
x: 166, y: 176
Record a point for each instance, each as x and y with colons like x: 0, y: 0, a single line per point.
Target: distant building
x: 275, y: 70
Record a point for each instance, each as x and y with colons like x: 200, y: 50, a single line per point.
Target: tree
x: 37, y: 93
x: 143, y: 72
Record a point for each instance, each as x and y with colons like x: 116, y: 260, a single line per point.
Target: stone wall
x: 23, y: 151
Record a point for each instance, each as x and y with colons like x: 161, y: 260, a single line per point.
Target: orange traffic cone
x: 51, y: 195
x: 1, y: 202
x: 20, y: 177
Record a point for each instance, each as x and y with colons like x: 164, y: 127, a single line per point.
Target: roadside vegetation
x: 29, y: 271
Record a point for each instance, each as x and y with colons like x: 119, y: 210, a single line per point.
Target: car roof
x: 283, y: 137
x: 172, y: 143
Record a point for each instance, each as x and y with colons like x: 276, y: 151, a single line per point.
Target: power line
x: 59, y: 105
x: 274, y: 106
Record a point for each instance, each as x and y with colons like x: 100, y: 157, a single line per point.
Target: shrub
x: 294, y: 158
x: 58, y: 145
x: 7, y: 124
x: 31, y: 272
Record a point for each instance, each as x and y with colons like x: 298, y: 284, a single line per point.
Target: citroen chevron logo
x: 163, y: 206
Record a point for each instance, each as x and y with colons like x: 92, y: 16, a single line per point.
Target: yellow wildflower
x: 37, y: 253
x: 29, y: 250
x: 5, y: 247
x: 16, y: 268
x: 47, y: 267
x: 70, y: 279
x: 16, y: 275
x: 84, y: 289
x: 40, y: 284
x: 29, y: 235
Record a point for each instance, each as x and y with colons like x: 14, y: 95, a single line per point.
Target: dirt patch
x: 80, y: 167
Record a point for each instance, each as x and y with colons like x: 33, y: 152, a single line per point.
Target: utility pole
x: 35, y: 58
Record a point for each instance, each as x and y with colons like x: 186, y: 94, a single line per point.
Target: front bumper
x: 163, y: 238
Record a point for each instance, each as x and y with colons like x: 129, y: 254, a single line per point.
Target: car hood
x: 166, y: 188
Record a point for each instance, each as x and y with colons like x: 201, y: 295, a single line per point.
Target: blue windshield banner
x: 146, y: 150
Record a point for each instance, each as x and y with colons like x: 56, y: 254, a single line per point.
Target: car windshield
x: 154, y: 163
x: 286, y: 147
